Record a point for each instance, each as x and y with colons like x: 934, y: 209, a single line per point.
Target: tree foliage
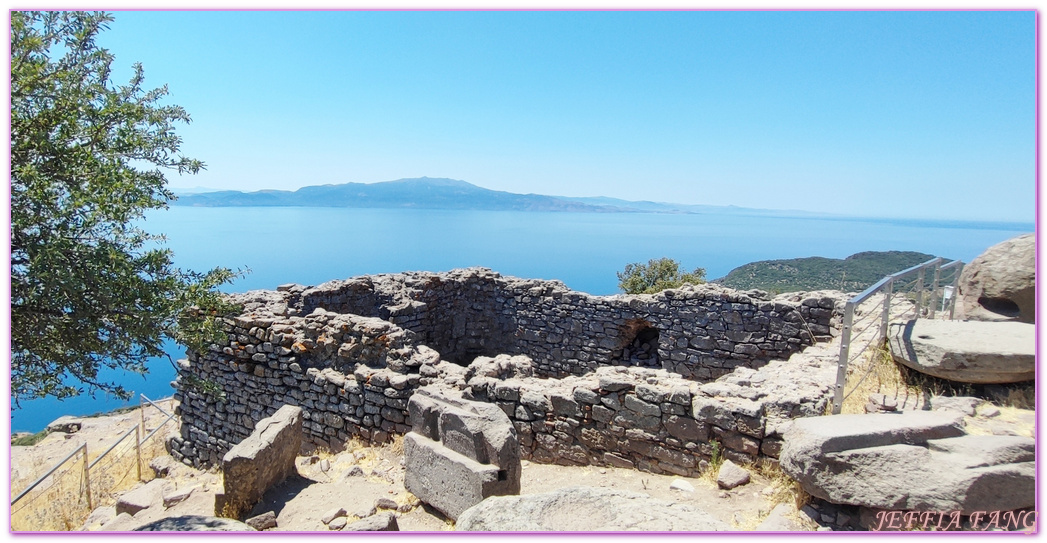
x: 90, y: 288
x: 852, y: 274
x: 656, y: 276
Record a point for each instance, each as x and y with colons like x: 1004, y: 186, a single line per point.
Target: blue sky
x: 868, y: 113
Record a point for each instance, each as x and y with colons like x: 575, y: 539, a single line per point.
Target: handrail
x: 867, y: 293
x: 113, y: 446
x: 81, y: 448
x: 158, y: 408
x: 138, y: 430
x: 886, y: 285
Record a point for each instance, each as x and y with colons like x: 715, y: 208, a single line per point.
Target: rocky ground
x: 365, y: 480
x: 369, y: 480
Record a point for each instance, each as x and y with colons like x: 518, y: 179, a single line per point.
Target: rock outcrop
x: 909, y: 461
x: 1000, y: 284
x: 67, y: 424
x: 585, y: 509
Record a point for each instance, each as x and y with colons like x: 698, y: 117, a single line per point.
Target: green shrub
x: 656, y: 276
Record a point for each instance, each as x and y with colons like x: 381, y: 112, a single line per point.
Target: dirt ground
x: 301, y: 501
x: 357, y: 478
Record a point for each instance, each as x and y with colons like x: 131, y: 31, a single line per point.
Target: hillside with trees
x: 854, y: 273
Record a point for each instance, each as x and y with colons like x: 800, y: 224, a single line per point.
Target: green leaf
x: 88, y: 158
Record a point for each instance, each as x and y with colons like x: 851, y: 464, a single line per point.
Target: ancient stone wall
x: 657, y: 421
x: 352, y: 352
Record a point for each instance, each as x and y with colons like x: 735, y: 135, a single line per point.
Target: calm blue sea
x: 584, y: 250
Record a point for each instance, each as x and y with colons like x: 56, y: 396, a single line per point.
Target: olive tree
x: 89, y: 287
x: 656, y: 276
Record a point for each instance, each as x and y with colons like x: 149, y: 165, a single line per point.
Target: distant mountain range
x: 437, y: 193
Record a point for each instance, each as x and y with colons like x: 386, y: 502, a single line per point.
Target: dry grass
x: 60, y: 502
x: 877, y: 373
x: 396, y: 445
x: 785, y: 488
x: 709, y: 476
x: 1018, y: 397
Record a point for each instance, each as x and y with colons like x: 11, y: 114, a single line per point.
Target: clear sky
x: 869, y: 113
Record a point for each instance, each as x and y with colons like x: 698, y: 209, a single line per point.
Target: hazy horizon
x: 190, y: 190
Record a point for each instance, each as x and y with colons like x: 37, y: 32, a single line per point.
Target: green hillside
x: 852, y: 274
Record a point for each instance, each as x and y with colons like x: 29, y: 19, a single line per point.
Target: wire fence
x: 916, y: 292
x: 63, y: 497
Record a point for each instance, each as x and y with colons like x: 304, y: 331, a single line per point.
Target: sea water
x: 584, y: 250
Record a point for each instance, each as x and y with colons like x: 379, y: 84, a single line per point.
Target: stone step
x: 966, y: 351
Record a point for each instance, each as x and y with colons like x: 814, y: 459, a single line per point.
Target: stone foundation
x: 615, y: 380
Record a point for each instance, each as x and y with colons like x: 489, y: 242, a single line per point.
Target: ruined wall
x: 351, y: 375
x: 352, y: 352
x: 699, y: 332
x: 656, y: 421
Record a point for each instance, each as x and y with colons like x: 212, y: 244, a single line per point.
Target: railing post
x: 887, y: 290
x: 141, y: 411
x: 955, y: 291
x: 934, y: 287
x: 919, y: 293
x: 845, y: 350
x: 138, y: 453
x: 87, y: 477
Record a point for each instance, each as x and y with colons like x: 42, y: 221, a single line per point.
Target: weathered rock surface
x: 99, y: 517
x: 918, y: 461
x: 173, y: 496
x: 382, y: 522
x: 262, y: 522
x: 1000, y: 284
x: 783, y: 518
x: 262, y: 460
x: 966, y: 351
x: 66, y: 424
x: 459, y: 452
x: 502, y: 366
x: 585, y: 509
x: 140, y: 498
x: 964, y: 404
x: 195, y: 523
x: 731, y: 476
x: 332, y: 514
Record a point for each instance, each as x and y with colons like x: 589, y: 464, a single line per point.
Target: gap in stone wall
x: 640, y: 340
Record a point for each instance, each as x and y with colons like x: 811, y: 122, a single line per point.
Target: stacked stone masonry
x: 656, y: 382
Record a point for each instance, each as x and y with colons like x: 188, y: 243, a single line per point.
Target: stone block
x: 262, y: 460
x: 143, y: 497
x: 385, y: 522
x: 476, y: 453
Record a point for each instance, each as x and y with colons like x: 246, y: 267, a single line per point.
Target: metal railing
x: 74, y: 486
x: 890, y: 287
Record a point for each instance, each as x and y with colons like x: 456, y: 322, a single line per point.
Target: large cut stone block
x: 967, y: 351
x: 262, y: 460
x: 459, y: 452
x: 909, y: 462
x: 447, y: 480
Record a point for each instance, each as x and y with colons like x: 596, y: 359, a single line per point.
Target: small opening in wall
x: 503, y: 475
x: 641, y: 344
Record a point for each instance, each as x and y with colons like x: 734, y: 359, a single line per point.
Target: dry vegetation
x: 61, y: 503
